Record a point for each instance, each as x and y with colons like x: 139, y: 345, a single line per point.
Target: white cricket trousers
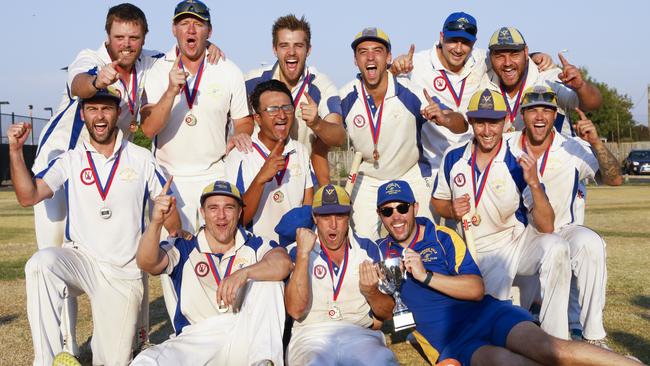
x: 544, y: 254
x: 365, y: 220
x: 338, y: 344
x: 251, y: 335
x: 588, y: 281
x: 53, y: 274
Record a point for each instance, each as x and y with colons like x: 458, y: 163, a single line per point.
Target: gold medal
x: 278, y: 196
x: 190, y: 119
x: 133, y: 126
x: 476, y: 220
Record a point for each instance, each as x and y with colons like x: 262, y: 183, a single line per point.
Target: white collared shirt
x: 112, y: 242
x: 192, y: 268
x: 277, y: 198
x: 65, y: 130
x: 505, y: 200
x: 184, y: 150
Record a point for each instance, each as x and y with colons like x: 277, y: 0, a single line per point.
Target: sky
x: 40, y: 37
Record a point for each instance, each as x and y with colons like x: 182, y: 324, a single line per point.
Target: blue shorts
x: 490, y: 327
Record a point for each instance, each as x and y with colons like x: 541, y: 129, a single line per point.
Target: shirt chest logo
x: 359, y: 121
x: 201, y: 269
x: 87, y: 177
x: 498, y: 186
x: 440, y: 83
x: 320, y: 271
x: 459, y: 179
x: 429, y: 255
x: 128, y: 175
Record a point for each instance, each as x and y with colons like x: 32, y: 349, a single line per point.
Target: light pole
x: 49, y: 109
x: 4, y: 102
x: 31, y: 119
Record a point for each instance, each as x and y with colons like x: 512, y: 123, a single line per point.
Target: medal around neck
x: 105, y: 213
x: 190, y: 119
x: 391, y: 277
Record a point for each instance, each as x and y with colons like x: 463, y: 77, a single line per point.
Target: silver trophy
x: 391, y: 276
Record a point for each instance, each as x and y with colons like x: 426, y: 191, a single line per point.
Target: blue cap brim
x: 331, y: 209
x: 486, y: 114
x: 459, y: 34
x: 394, y: 199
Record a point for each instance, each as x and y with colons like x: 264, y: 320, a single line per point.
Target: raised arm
x: 253, y: 195
x: 329, y: 129
x: 85, y: 85
x: 154, y: 116
x: 588, y: 95
x: 608, y: 166
x: 28, y: 192
x: 298, y: 292
x: 543, y: 215
x: 150, y: 257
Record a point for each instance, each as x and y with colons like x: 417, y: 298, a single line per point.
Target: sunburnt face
x: 509, y: 66
x: 488, y: 133
x: 192, y: 36
x: 539, y: 123
x: 274, y: 126
x: 372, y: 59
x: 455, y: 52
x: 400, y: 226
x: 291, y: 51
x: 332, y: 229
x: 125, y: 41
x: 221, y: 214
x: 100, y: 117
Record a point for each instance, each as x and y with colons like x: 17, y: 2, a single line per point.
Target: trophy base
x: 403, y: 321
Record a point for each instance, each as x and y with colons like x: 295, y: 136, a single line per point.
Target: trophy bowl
x: 391, y: 276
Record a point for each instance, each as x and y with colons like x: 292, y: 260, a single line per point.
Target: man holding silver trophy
x: 333, y: 291
x: 444, y: 290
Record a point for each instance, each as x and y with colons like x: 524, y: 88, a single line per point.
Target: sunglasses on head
x: 402, y: 208
x: 547, y: 97
x: 458, y: 26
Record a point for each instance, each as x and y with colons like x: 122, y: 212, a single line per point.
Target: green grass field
x: 620, y: 214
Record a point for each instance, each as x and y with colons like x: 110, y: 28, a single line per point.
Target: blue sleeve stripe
x: 334, y: 105
x: 56, y: 121
x: 240, y: 179
x: 574, y: 192
x: 347, y: 103
x: 92, y: 71
x: 144, y: 205
x: 42, y: 173
x: 314, y: 93
x: 370, y: 247
x: 77, y: 126
x: 67, y: 211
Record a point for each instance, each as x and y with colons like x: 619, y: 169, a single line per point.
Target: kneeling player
x: 444, y: 290
x: 333, y: 293
x: 211, y: 274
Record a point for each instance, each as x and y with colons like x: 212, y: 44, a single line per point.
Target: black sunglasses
x: 402, y: 208
x: 547, y: 97
x: 196, y: 7
x: 458, y: 26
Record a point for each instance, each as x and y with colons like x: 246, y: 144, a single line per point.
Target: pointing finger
x: 309, y: 98
x: 277, y: 149
x: 427, y: 96
x: 581, y: 114
x: 411, y: 52
x: 167, y: 185
x: 563, y: 60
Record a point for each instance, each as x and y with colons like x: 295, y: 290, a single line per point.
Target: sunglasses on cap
x: 461, y: 26
x: 195, y: 7
x: 402, y: 208
x: 534, y: 97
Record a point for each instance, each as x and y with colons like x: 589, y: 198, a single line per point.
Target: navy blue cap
x: 109, y: 92
x: 460, y: 25
x: 395, y: 190
x: 331, y: 199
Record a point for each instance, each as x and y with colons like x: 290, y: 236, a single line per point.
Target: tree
x: 615, y: 113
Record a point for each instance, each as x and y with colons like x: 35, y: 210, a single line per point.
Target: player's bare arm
x: 154, y: 116
x: 464, y: 287
x: 543, y: 215
x: 452, y: 209
x: 608, y: 167
x: 274, y: 266
x: 453, y: 121
x: 381, y: 304
x: 28, y: 191
x: 319, y: 151
x: 241, y: 139
x: 588, y: 95
x: 253, y: 195
x: 298, y: 295
x: 85, y: 85
x: 308, y: 198
x: 149, y: 257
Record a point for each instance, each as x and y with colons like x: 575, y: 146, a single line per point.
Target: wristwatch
x: 428, y: 278
x: 95, y: 85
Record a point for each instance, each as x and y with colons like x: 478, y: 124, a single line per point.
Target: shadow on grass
x: 6, y: 319
x: 636, y: 345
x: 642, y: 301
x: 158, y: 316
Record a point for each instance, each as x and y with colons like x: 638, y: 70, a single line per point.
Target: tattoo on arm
x: 608, y: 165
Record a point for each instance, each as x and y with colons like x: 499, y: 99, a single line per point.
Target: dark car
x: 637, y: 162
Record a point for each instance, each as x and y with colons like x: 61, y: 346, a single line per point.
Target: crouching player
x: 444, y: 290
x: 333, y: 293
x: 213, y: 273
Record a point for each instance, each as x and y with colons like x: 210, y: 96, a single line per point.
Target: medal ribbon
x: 375, y: 124
x: 337, y: 287
x: 190, y: 96
x: 279, y: 175
x: 478, y: 194
x: 131, y: 95
x: 542, y: 166
x: 215, y: 270
x: 410, y: 246
x: 306, y: 80
x: 457, y: 97
x: 103, y: 191
x: 512, y: 112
